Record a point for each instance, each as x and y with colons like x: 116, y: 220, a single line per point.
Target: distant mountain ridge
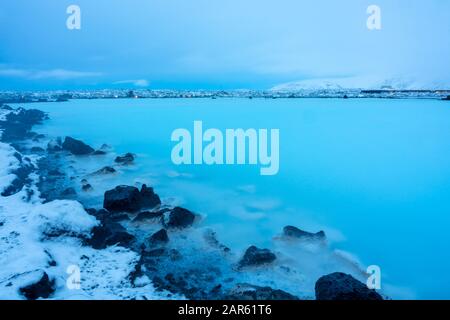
x: 360, y: 83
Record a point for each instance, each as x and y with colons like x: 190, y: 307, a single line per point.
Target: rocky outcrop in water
x: 18, y: 123
x: 158, y: 238
x: 256, y: 257
x: 251, y: 292
x: 149, y: 216
x: 105, y: 170
x: 296, y: 233
x: 99, y: 153
x: 180, y: 218
x: 130, y: 199
x: 76, y: 147
x: 341, y: 286
x: 126, y: 159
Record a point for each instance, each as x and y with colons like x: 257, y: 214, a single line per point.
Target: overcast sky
x: 212, y: 44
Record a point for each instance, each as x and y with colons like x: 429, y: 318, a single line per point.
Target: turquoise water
x: 374, y: 174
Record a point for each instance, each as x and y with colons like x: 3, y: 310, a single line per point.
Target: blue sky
x: 213, y: 44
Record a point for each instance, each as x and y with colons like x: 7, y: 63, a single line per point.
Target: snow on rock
x: 61, y: 217
x: 8, y: 163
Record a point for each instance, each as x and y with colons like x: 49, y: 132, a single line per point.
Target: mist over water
x: 374, y: 174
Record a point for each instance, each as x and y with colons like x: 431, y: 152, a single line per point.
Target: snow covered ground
x: 37, y: 238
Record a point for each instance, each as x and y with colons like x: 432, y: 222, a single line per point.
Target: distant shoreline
x: 66, y: 95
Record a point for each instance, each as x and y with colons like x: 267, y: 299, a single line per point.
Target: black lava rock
x: 294, y: 232
x: 251, y: 292
x: 87, y: 187
x: 109, y: 234
x: 126, y: 159
x: 159, y: 237
x: 105, y: 216
x: 99, y: 153
x: 256, y: 257
x: 149, y: 216
x: 180, y: 218
x: 18, y: 124
x: 76, y: 147
x: 122, y: 198
x: 41, y: 289
x: 149, y: 199
x: 341, y: 286
x: 105, y: 170
x: 130, y: 199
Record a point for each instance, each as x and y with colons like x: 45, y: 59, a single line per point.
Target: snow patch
x: 37, y: 238
x: 8, y: 163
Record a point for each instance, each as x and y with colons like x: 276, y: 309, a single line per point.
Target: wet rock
x: 180, y: 218
x: 294, y: 232
x: 130, y: 199
x: 105, y: 216
x: 44, y: 288
x: 122, y: 198
x: 251, y: 292
x: 105, y: 170
x: 87, y: 187
x: 159, y: 237
x: 171, y: 282
x: 147, y: 216
x: 256, y: 257
x: 99, y: 153
x: 126, y: 159
x: 110, y: 234
x: 76, y: 147
x: 341, y: 286
x: 18, y: 124
x: 149, y: 199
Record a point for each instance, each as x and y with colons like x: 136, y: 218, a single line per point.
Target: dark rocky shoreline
x: 129, y: 212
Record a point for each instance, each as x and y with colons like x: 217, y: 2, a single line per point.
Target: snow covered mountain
x: 360, y: 83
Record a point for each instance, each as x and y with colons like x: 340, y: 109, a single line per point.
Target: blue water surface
x: 374, y: 173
